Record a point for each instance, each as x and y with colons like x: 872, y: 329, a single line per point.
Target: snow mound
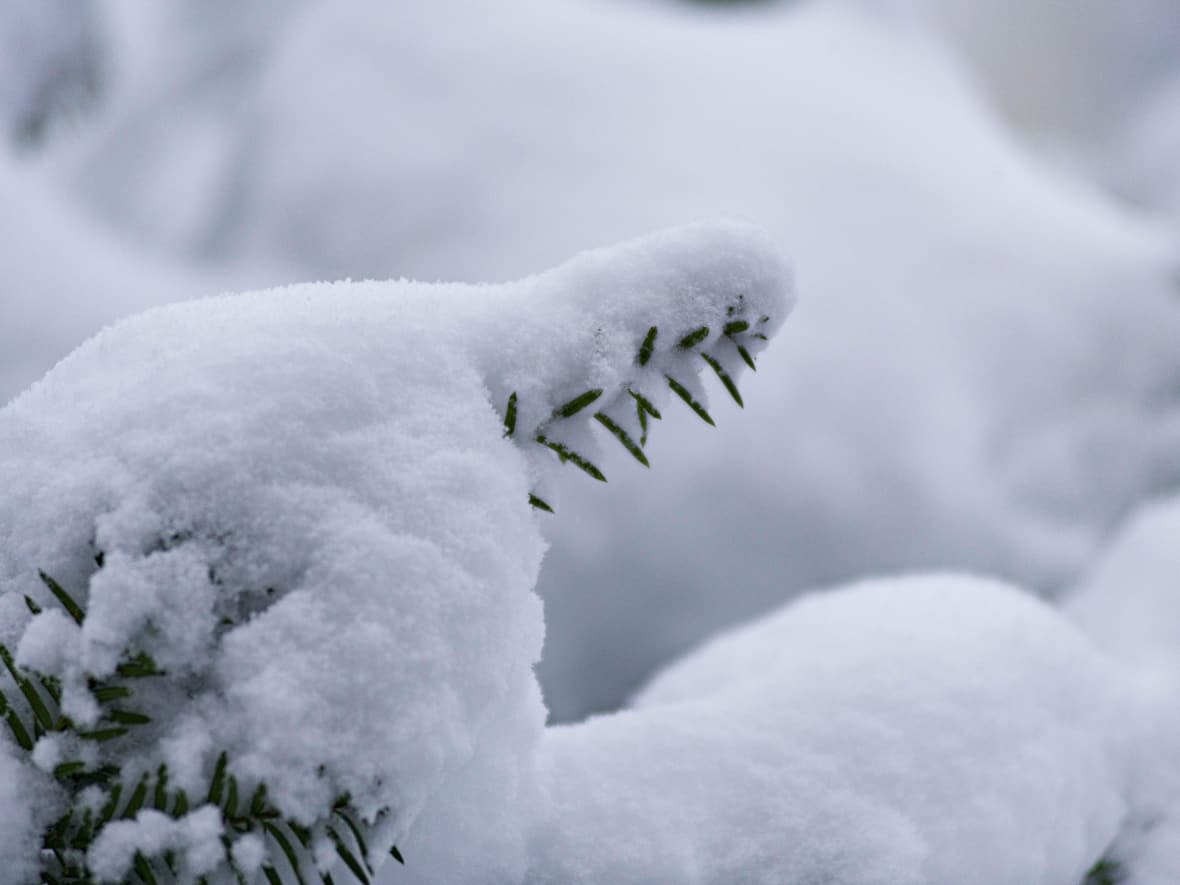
x: 913, y: 730
x: 305, y: 507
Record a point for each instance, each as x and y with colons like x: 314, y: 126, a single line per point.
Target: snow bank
x: 911, y: 730
x: 306, y: 509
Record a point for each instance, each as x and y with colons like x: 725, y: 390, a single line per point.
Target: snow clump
x: 305, y: 507
x: 905, y: 731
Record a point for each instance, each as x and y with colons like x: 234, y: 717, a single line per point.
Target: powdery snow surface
x: 927, y: 730
x: 310, y: 516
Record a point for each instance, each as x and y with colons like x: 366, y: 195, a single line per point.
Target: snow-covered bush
x: 983, y: 377
x: 267, y: 560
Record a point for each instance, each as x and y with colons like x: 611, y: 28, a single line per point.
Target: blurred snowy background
x: 982, y: 201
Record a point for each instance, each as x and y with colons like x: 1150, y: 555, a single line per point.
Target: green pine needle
x: 360, y: 840
x: 647, y: 348
x: 348, y: 857
x: 645, y: 405
x: 43, y: 720
x: 693, y: 338
x: 285, y: 846
x: 143, y: 870
x: 68, y: 769
x: 138, y: 797
x: 564, y: 453
x: 510, y: 416
x: 218, y: 783
x: 621, y: 435
x: 736, y: 327
x: 258, y: 806
x: 231, y: 798
x: 681, y: 391
x: 108, y: 810
x: 1104, y: 872
x: 160, y: 799
x: 140, y: 666
x: 397, y: 855
x: 577, y: 404
x: 726, y: 380
x: 75, y: 611
x: 749, y: 360
x: 539, y: 503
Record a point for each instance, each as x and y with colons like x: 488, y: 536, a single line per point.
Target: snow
x: 982, y: 377
x: 906, y: 730
x: 1128, y: 603
x: 311, y: 516
x: 23, y: 814
x: 196, y: 836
